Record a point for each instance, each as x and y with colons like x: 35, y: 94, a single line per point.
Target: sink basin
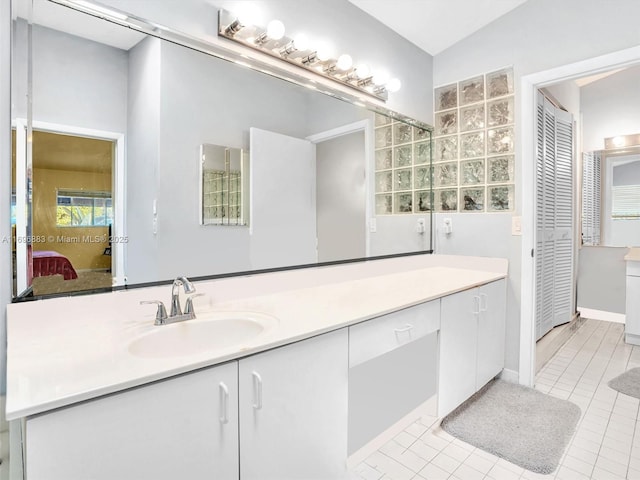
x: 207, y: 332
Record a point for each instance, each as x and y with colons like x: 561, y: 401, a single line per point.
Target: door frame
x: 360, y: 126
x: 118, y: 249
x: 529, y: 85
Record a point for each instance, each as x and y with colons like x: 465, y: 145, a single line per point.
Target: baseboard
x: 602, y: 315
x: 548, y: 345
x: 427, y: 408
x: 632, y: 339
x: 508, y: 375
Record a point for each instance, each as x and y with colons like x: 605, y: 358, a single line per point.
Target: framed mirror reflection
x: 116, y: 181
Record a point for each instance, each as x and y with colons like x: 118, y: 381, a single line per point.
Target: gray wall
x: 627, y: 174
x: 536, y: 36
x: 610, y: 108
x: 77, y: 83
x: 195, y: 110
x: 602, y: 278
x: 397, y: 234
x: 143, y: 151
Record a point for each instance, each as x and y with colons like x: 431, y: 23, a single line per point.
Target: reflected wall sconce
x: 299, y: 51
x: 622, y: 141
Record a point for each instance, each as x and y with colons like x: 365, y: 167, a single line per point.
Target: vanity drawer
x: 633, y: 269
x: 380, y: 335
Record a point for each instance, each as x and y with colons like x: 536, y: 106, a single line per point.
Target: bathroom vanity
x: 632, y: 320
x: 292, y: 401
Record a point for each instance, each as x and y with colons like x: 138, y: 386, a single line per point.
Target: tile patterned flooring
x: 606, y: 445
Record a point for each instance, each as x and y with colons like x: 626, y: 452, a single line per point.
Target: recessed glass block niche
x: 224, y: 185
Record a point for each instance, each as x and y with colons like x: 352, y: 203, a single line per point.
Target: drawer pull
x: 224, y: 403
x: 476, y: 305
x: 257, y: 390
x: 407, y: 329
x: 483, y: 302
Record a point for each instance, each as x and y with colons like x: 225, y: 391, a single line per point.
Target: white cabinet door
x: 293, y: 410
x: 184, y: 427
x: 491, y: 326
x: 458, y: 349
x: 632, y: 322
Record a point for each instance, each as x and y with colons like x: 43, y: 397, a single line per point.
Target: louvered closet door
x: 591, y: 204
x: 563, y: 248
x: 587, y: 198
x: 554, y: 207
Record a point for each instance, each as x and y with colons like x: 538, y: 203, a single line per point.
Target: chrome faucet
x: 175, y: 294
x: 176, y: 314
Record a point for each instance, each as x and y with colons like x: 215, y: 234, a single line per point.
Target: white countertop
x: 65, y: 350
x: 633, y: 255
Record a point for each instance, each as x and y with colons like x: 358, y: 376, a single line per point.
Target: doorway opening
x: 530, y: 85
x: 342, y: 191
x: 67, y: 231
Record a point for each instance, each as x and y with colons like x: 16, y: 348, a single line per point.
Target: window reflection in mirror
x: 611, y: 197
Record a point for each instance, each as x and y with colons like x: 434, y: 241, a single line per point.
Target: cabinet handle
x: 257, y: 390
x: 224, y: 403
x: 476, y: 305
x: 483, y: 301
x: 407, y: 328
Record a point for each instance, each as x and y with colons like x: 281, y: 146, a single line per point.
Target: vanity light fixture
x: 298, y: 51
x: 622, y: 141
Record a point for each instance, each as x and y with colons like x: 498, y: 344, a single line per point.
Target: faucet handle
x: 161, y: 314
x: 188, y: 307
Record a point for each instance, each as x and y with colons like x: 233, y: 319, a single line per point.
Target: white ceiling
x: 435, y: 25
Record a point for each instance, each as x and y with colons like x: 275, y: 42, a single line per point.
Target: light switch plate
x: 516, y: 225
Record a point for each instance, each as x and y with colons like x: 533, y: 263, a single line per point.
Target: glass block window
x: 403, y: 171
x: 473, y: 157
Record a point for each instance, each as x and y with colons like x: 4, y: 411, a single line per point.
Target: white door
x: 293, y: 411
x: 283, y: 207
x: 491, y: 331
x: 458, y: 349
x: 554, y: 284
x: 185, y: 427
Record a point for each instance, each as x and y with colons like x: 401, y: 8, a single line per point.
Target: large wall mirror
x: 110, y: 128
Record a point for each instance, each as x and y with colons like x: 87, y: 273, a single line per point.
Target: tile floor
x: 606, y: 445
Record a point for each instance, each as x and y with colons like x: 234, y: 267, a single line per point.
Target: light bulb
x: 344, y: 62
x: 618, y: 141
x: 301, y: 42
x: 275, y: 30
x: 380, y: 77
x: 248, y: 15
x: 363, y: 71
x: 393, y: 85
x: 323, y: 52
